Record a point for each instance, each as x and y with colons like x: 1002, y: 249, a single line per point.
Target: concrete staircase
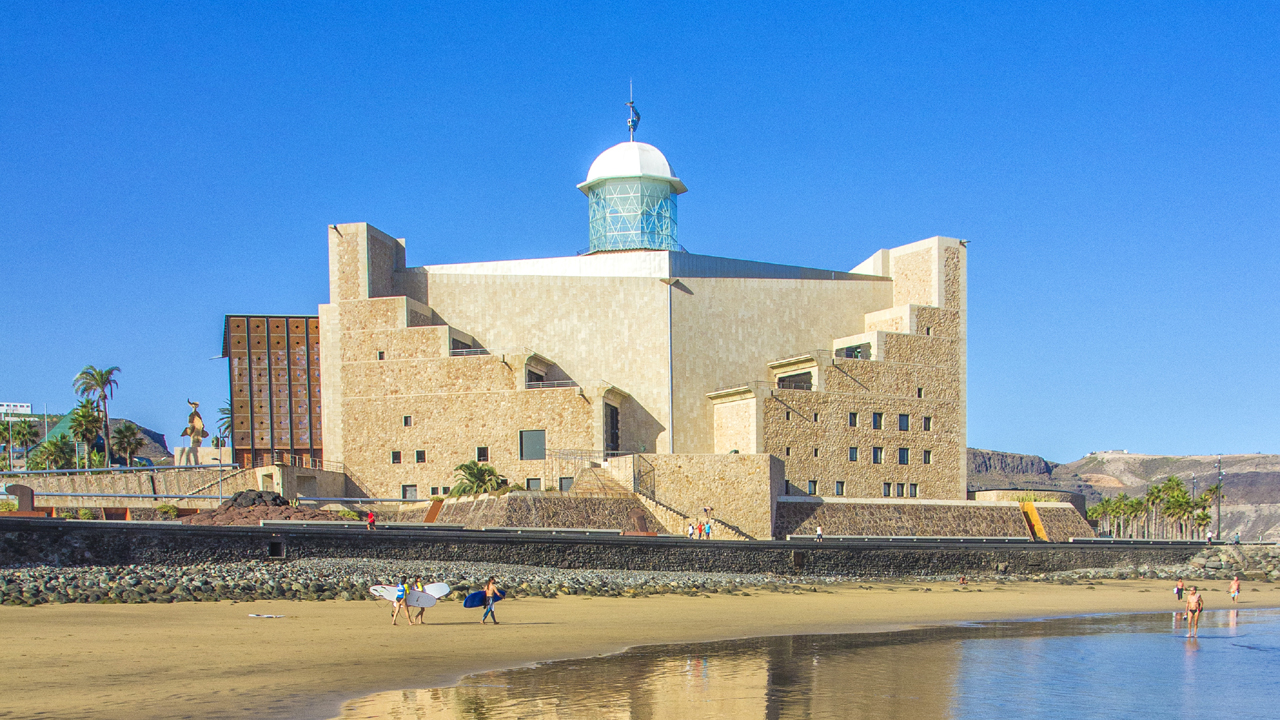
x: 598, y: 482
x: 678, y: 523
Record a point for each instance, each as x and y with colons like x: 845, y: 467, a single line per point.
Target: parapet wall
x: 545, y: 509
x: 890, y: 518
x: 63, y: 543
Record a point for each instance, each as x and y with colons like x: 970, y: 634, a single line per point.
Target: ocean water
x: 1104, y: 666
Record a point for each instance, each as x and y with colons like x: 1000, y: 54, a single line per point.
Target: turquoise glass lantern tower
x: 631, y: 193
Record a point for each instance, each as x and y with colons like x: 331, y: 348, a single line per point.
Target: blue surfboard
x: 476, y: 599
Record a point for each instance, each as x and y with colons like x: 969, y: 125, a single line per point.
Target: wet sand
x: 210, y: 660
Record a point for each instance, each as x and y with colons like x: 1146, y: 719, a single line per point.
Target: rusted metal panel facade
x: 274, y: 367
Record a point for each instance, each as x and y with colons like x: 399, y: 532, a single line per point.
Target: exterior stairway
x: 598, y: 482
x: 678, y: 522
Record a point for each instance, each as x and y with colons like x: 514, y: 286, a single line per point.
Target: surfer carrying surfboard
x: 490, y: 595
x: 417, y: 585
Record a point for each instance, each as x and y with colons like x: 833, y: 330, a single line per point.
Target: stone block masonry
x: 69, y: 543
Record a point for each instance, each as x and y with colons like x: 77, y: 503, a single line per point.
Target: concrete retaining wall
x: 545, y: 509
x: 82, y: 543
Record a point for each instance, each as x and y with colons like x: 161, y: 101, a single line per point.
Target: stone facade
x: 547, y: 510
x: 894, y: 518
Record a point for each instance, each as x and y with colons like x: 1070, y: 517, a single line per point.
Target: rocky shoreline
x: 350, y: 579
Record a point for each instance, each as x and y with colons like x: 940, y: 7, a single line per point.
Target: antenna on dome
x: 633, y: 122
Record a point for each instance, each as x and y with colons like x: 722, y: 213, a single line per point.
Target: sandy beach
x: 210, y: 660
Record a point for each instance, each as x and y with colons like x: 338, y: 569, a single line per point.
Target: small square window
x: 813, y: 487
x: 887, y: 489
x: 900, y: 489
x: 815, y: 452
x: 533, y: 483
x: 904, y: 456
x: 445, y: 490
x: 815, y: 417
x: 919, y: 392
x: 482, y: 454
x: 788, y: 452
x: 435, y: 490
x: 877, y: 420
x: 853, y: 454
x: 420, y: 456
x: 408, y: 420
x: 913, y: 490
x: 533, y: 444
x: 382, y: 355
x: 904, y: 422
x: 839, y: 487
x: 928, y: 424
x: 927, y: 457
x: 877, y: 455
x: 566, y: 484
x: 408, y: 492
x: 395, y: 457
x: 853, y: 419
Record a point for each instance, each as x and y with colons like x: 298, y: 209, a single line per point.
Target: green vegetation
x: 86, y: 514
x: 349, y: 514
x: 8, y: 506
x: 224, y: 425
x: 475, y: 477
x: 55, y: 453
x: 99, y: 386
x: 167, y: 511
x: 1166, y: 511
x: 128, y: 440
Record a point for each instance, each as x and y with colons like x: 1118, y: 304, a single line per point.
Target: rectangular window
x: 533, y: 444
x: 788, y: 414
x: 927, y: 457
x: 813, y: 487
x: 815, y: 452
x: 919, y: 392
x: 612, y: 428
x: 853, y: 419
x: 877, y: 455
x: 533, y: 483
x: 420, y: 456
x: 531, y: 377
x: 913, y: 490
x: 408, y: 492
x: 928, y: 331
x: 788, y: 452
x: 799, y: 381
x: 928, y: 423
x: 901, y: 488
x: 408, y: 420
x: 482, y: 454
x: 877, y: 420
x: 566, y: 484
x: 395, y: 457
x: 887, y: 486
x: 382, y: 355
x: 853, y: 454
x: 815, y: 417
x: 904, y: 456
x: 904, y: 422
x: 435, y: 490
x: 839, y: 487
x: 445, y: 490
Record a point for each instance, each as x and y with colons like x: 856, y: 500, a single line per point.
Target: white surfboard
x: 385, y: 592
x: 438, y: 590
x: 420, y: 599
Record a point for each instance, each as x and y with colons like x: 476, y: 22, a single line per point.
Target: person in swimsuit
x: 1177, y: 589
x: 1235, y: 589
x: 402, y: 590
x: 490, y: 597
x: 1195, y: 606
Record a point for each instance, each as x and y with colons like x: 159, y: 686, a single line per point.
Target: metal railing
x: 644, y: 479
x: 114, y: 470
x: 310, y: 463
x: 467, y: 352
x: 550, y: 384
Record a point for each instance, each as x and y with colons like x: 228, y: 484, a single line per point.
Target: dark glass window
x: 877, y: 455
x: 928, y: 423
x: 927, y: 457
x: 912, y: 490
x: 813, y: 487
x: 533, y: 483
x: 853, y: 419
x: 408, y: 492
x: 533, y: 444
x: 420, y: 456
x: 482, y: 454
x: 853, y: 454
x: 887, y: 486
x: 904, y: 422
x: 839, y: 487
x: 408, y: 420
x: 901, y: 488
x: 395, y: 457
x: 877, y: 420
x: 904, y: 456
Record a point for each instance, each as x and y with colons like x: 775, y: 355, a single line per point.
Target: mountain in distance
x: 1251, y: 483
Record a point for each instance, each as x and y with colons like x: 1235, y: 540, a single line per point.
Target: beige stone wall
x: 546, y: 510
x: 1063, y: 521
x: 896, y: 518
x: 740, y: 487
x: 735, y: 425
x: 914, y: 276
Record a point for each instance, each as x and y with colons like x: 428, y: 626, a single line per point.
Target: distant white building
x: 8, y: 408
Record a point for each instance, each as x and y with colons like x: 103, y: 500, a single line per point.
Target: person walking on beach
x: 490, y: 597
x: 402, y: 598
x: 1195, y: 606
x: 1178, y: 588
x: 417, y: 585
x: 371, y: 522
x: 1235, y: 589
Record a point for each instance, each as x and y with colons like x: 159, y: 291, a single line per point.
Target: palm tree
x: 224, y: 421
x: 475, y: 477
x: 128, y: 441
x: 99, y: 385
x: 56, y: 453
x: 85, y: 422
x: 23, y: 435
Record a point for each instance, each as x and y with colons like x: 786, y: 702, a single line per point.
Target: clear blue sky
x: 1116, y: 170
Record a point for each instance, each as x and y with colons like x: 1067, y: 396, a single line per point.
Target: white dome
x: 631, y: 160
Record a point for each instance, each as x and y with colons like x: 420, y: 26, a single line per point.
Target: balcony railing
x: 551, y: 384
x: 467, y: 352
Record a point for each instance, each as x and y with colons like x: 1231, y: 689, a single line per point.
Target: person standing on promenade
x: 690, y: 531
x: 1195, y: 606
x: 701, y: 529
x: 1178, y: 588
x: 819, y: 533
x: 1208, y: 537
x: 1235, y: 589
x: 371, y: 522
x: 490, y: 597
x: 708, y: 529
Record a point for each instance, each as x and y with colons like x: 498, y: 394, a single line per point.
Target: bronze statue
x: 195, y: 426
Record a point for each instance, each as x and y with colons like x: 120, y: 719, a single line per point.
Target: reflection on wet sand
x: 910, y: 674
